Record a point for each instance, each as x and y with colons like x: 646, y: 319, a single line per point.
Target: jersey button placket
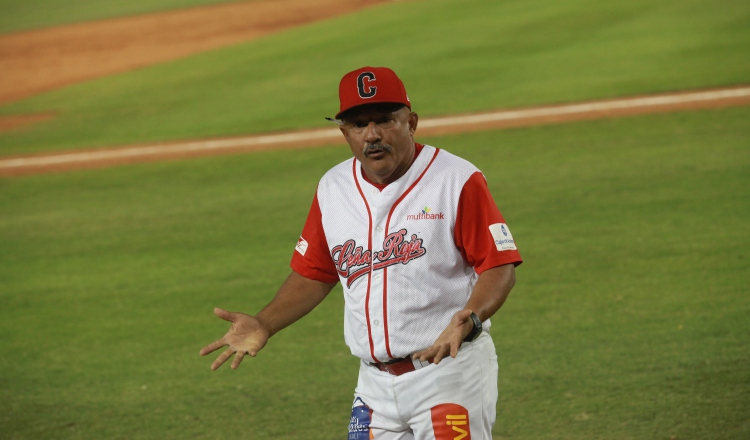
x: 376, y: 281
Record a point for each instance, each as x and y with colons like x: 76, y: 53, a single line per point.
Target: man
x: 425, y: 259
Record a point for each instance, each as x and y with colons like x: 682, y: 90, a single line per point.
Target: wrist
x: 265, y: 324
x: 476, y: 328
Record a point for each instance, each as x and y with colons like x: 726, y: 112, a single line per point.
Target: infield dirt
x: 41, y: 60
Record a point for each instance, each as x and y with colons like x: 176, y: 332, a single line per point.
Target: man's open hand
x: 247, y: 335
x: 450, y: 340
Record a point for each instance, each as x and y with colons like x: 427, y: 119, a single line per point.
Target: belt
x: 397, y: 367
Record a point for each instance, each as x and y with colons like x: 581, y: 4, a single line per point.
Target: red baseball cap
x: 371, y: 85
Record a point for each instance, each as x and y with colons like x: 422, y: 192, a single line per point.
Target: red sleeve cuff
x: 500, y: 259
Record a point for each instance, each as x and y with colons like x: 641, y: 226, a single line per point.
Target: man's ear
x: 413, y: 121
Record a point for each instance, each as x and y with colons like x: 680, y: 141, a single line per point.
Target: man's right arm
x: 248, y: 334
x: 295, y: 299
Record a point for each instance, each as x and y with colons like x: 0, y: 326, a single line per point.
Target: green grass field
x: 454, y: 56
x: 629, y: 319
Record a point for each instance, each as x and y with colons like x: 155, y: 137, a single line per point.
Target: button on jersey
x: 407, y: 256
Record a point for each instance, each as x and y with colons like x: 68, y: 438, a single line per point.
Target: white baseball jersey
x: 407, y: 254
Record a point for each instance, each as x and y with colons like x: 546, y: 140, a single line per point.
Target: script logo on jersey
x: 426, y: 214
x: 359, y: 424
x: 450, y: 422
x: 363, y: 85
x: 353, y: 262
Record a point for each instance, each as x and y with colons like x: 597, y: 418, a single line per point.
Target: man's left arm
x: 489, y: 294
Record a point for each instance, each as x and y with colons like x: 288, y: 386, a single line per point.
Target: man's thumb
x: 223, y: 314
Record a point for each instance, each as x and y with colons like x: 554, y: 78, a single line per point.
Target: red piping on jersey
x: 385, y: 270
x: 369, y: 276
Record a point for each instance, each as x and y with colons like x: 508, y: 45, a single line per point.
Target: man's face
x: 382, y: 139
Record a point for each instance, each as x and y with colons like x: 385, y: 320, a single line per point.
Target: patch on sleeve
x: 450, y: 422
x: 301, y: 245
x: 503, y: 239
x: 359, y: 424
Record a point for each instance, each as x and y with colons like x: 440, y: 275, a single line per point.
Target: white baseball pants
x: 454, y: 400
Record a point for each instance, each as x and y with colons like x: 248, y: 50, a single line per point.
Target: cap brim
x: 341, y: 113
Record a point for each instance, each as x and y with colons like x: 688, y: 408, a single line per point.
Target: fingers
x: 439, y: 351
x: 449, y: 342
x: 226, y: 354
x: 440, y: 354
x: 425, y: 354
x: 237, y: 359
x: 455, y: 345
x: 210, y: 348
x: 222, y: 358
x: 433, y: 354
x: 225, y: 315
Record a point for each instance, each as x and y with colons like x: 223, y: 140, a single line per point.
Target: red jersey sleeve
x: 311, y: 258
x: 481, y: 233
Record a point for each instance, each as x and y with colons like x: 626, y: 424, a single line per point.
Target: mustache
x: 372, y: 148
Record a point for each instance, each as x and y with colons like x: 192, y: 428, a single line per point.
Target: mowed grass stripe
x: 458, y: 124
x: 511, y: 54
x: 628, y: 320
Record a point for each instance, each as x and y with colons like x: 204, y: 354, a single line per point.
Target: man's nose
x: 372, y: 132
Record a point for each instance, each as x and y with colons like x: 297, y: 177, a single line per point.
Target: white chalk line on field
x: 627, y: 103
x: 333, y: 134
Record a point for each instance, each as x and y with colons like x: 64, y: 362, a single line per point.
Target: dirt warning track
x: 37, y: 61
x: 427, y: 127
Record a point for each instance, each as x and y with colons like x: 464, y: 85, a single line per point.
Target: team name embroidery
x: 353, y: 262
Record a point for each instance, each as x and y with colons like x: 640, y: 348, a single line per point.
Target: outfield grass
x: 23, y: 15
x: 454, y: 56
x: 628, y: 321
